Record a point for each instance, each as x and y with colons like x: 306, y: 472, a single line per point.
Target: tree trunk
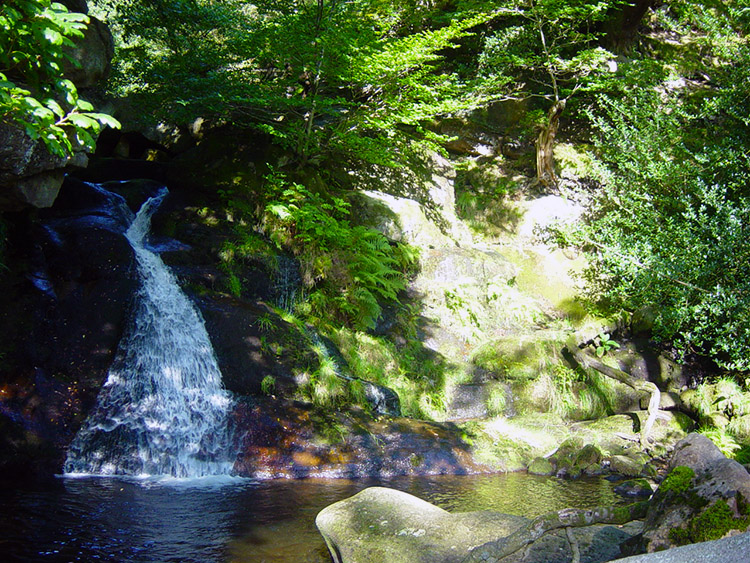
x: 545, y: 164
x: 586, y: 361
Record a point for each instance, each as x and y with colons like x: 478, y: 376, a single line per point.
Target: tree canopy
x: 666, y: 115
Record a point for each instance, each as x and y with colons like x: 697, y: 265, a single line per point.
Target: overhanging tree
x: 34, y: 38
x: 321, y: 76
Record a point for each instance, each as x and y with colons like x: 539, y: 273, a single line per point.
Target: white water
x: 162, y: 410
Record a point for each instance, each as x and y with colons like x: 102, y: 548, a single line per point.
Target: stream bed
x: 231, y: 520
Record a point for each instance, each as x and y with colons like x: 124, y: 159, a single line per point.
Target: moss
x: 711, y: 524
x: 678, y: 481
x: 679, y: 536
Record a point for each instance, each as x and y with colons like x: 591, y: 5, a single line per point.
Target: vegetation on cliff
x: 35, y: 41
x: 653, y: 97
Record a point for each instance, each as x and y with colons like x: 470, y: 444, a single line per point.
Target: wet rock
x: 634, y: 488
x: 380, y: 524
x: 252, y: 342
x: 285, y: 439
x: 64, y: 305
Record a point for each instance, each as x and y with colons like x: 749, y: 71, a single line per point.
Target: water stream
x: 162, y: 410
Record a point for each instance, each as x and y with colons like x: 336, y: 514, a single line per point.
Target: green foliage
x: 603, y: 344
x: 711, y: 524
x: 348, y: 270
x: 678, y: 481
x: 552, y: 42
x: 35, y: 39
x: 420, y: 378
x: 268, y: 385
x: 723, y: 440
x: 320, y: 77
x: 669, y: 226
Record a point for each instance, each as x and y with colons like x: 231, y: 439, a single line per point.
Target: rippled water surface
x: 231, y: 520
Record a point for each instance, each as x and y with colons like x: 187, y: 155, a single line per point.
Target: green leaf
x: 52, y: 36
x: 83, y: 105
x: 83, y: 121
x: 55, y: 107
x: 105, y: 119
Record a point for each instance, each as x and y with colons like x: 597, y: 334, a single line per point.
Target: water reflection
x: 237, y: 521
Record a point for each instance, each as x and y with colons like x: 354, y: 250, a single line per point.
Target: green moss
x: 711, y: 524
x: 679, y: 536
x: 678, y: 481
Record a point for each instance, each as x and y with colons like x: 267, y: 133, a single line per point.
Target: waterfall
x: 162, y: 409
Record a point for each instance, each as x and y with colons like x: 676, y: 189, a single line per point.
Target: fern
x: 349, y: 269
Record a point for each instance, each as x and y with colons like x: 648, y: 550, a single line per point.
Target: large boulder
x: 704, y: 497
x: 381, y: 524
x: 30, y: 176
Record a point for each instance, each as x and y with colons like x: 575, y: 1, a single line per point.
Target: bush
x: 668, y: 230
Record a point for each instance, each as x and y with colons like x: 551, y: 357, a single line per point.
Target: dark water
x: 234, y: 521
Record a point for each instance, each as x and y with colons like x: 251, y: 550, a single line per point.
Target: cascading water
x: 162, y: 410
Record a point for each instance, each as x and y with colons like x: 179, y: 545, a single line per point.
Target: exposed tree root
x: 568, y: 518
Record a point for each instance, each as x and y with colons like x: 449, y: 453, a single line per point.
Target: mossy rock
x: 624, y: 465
x: 711, y: 523
x: 521, y: 357
x: 701, y: 499
x: 541, y: 466
x: 566, y: 457
x: 588, y: 455
x: 739, y: 426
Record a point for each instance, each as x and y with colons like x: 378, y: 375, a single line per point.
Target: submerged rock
x: 634, y: 488
x: 285, y: 439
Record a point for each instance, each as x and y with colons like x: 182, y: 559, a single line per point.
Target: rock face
x: 380, y: 524
x: 64, y: 306
x: 704, y: 497
x: 284, y: 439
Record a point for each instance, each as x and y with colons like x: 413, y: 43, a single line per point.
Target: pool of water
x: 232, y: 520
